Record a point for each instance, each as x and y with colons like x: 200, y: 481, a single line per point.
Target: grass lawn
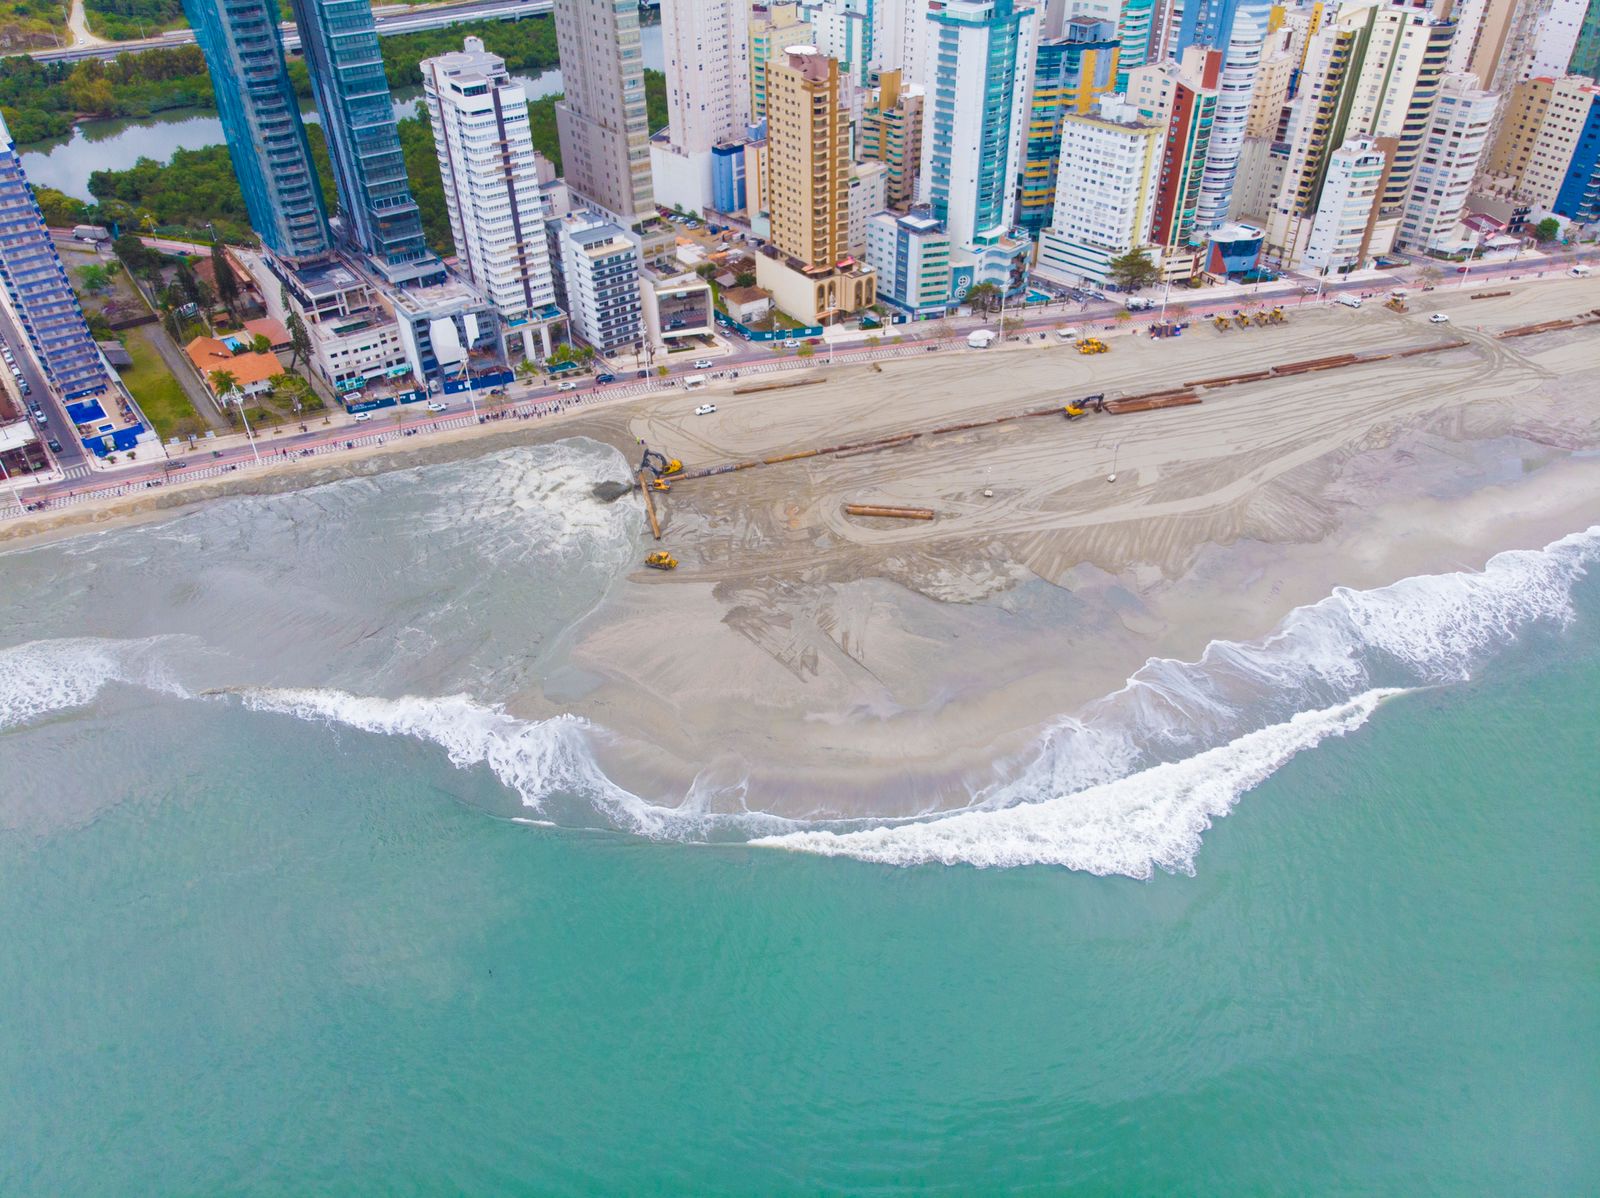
x: 161, y: 397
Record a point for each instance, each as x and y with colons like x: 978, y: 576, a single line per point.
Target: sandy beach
x: 896, y: 667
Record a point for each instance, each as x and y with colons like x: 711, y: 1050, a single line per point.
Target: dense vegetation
x: 31, y: 24
x: 123, y: 20
x: 41, y: 100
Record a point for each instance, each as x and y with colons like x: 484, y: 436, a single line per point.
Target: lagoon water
x: 271, y: 926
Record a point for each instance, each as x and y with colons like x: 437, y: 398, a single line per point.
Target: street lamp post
x: 238, y: 398
x: 1467, y: 269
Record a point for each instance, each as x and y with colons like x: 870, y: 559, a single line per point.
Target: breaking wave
x: 38, y: 678
x: 1154, y: 818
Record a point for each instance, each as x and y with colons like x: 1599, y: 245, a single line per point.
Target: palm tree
x: 224, y: 385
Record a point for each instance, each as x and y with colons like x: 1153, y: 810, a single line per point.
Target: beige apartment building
x: 891, y: 133
x: 1539, y: 132
x: 602, y: 122
x: 773, y: 29
x: 807, y: 265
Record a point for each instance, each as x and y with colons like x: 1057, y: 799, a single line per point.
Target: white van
x: 1349, y: 301
x: 1581, y: 272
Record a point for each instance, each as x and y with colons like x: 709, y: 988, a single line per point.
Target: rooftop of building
x: 452, y: 295
x: 209, y: 354
x: 744, y: 295
x: 325, y: 278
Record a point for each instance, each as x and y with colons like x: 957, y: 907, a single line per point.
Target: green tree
x: 806, y: 350
x: 745, y: 278
x: 299, y: 339
x: 60, y: 210
x: 188, y: 283
x: 227, y: 285
x: 262, y: 344
x: 94, y: 278
x: 224, y: 383
x: 982, y: 297
x: 1133, y: 270
x: 1548, y: 229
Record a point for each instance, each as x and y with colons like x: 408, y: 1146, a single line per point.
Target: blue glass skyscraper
x: 37, y: 286
x: 261, y: 120
x: 340, y: 42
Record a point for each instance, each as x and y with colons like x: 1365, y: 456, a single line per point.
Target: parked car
x: 706, y: 409
x: 55, y: 446
x: 703, y: 364
x: 791, y: 343
x: 435, y: 406
x: 363, y: 417
x: 1438, y: 318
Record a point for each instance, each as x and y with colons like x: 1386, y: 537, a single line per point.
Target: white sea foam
x: 536, y: 759
x: 1149, y: 820
x: 40, y: 677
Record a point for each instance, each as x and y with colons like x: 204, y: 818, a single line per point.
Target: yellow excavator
x: 659, y: 464
x: 661, y: 560
x: 1092, y: 345
x: 1076, y: 408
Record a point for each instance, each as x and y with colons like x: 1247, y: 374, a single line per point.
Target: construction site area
x: 912, y: 563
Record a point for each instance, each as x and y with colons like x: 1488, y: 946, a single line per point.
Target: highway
x: 529, y: 402
x: 394, y: 19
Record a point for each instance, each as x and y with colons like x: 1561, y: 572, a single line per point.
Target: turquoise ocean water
x: 252, y: 952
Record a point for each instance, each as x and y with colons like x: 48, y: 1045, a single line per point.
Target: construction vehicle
x: 1093, y: 345
x: 1262, y: 319
x: 661, y: 560
x: 1076, y: 408
x: 1242, y: 320
x: 1278, y: 317
x: 660, y: 484
x: 1395, y: 304
x: 1222, y: 322
x: 659, y: 464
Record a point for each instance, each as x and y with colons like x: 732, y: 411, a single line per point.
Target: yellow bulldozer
x: 661, y: 560
x: 1262, y: 319
x: 1242, y: 319
x: 1277, y: 316
x: 1395, y: 304
x: 1222, y: 322
x: 1093, y: 345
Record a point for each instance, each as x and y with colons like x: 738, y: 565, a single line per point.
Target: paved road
x: 432, y: 16
x: 526, y: 402
x: 73, y: 458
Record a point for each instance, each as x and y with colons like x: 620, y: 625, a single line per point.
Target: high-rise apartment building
x: 1556, y: 39
x: 846, y: 31
x: 773, y: 28
x: 1578, y: 197
x: 891, y: 133
x: 1585, y: 58
x: 1241, y: 44
x: 1069, y: 73
x: 808, y: 157
x: 37, y: 289
x: 1183, y: 99
x: 1135, y: 24
x: 376, y: 208
x: 1340, y: 230
x: 492, y: 183
x: 1544, y: 123
x: 600, y: 270
x: 809, y: 268
x: 602, y: 119
x: 261, y: 121
x: 1455, y: 146
x: 1108, y: 208
x: 706, y: 44
x: 911, y: 257
x: 979, y: 68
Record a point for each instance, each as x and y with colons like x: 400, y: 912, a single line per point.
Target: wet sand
x: 895, y: 667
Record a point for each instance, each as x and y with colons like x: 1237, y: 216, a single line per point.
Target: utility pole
x: 238, y: 398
